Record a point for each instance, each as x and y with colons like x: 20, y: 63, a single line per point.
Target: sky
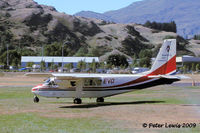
x: 73, y: 6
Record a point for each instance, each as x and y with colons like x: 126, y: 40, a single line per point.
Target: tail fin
x: 165, y: 62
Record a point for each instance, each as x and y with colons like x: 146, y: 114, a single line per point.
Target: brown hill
x: 27, y: 26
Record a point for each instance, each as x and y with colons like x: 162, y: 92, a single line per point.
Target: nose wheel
x: 77, y: 101
x: 36, y: 99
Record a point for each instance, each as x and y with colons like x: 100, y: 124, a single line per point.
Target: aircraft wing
x: 65, y: 76
x: 38, y: 74
x: 75, y: 76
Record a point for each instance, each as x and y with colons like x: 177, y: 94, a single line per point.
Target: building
x: 56, y: 60
x: 186, y: 59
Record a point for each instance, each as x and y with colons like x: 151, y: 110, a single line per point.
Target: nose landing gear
x: 36, y: 99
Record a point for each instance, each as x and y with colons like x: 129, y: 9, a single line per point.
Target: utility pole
x: 7, y: 56
x: 42, y: 52
x: 67, y: 42
x: 41, y: 64
x: 62, y: 56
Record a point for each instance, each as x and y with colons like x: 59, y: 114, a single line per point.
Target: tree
x: 196, y: 37
x: 147, y: 24
x: 197, y: 67
x: 132, y: 46
x: 145, y: 58
x: 69, y: 66
x: 185, y: 68
x: 29, y: 64
x: 42, y: 65
x: 134, y: 61
x: 81, y: 65
x: 102, y: 65
x: 55, y: 67
x: 55, y: 49
x: 27, y: 52
x: 171, y: 27
x: 82, y: 51
x: 93, y: 65
x: 14, y: 58
x: 193, y: 67
x: 117, y: 60
x: 108, y: 66
x: 26, y: 40
x: 95, y: 52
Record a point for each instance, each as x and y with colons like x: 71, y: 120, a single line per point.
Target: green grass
x: 168, y: 94
x: 20, y: 98
x: 31, y: 123
x: 15, y: 92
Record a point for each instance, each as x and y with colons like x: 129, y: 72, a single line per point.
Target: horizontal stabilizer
x: 164, y: 76
x: 183, y: 77
x: 178, y: 77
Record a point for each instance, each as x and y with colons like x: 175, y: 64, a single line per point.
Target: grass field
x: 119, y: 114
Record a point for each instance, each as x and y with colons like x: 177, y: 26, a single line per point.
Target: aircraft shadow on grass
x: 94, y: 105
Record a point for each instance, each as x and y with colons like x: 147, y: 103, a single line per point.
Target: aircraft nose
x: 34, y: 89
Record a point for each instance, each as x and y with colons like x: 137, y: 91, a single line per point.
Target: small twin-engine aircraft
x: 99, y: 86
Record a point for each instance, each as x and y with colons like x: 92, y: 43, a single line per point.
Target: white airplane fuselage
x: 108, y: 85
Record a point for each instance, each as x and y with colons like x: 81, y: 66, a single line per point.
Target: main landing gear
x: 77, y: 101
x: 100, y: 100
x: 36, y: 99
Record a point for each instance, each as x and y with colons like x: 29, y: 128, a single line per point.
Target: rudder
x: 165, y: 62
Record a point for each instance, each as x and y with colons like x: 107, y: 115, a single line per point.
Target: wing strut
x: 79, y: 88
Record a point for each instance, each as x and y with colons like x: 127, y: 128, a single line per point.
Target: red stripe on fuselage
x: 139, y: 80
x: 166, y: 68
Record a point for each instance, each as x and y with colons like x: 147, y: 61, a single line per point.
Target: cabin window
x: 92, y: 82
x: 73, y: 83
x: 98, y: 82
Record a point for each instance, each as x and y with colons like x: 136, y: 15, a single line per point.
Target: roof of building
x: 187, y: 59
x: 58, y: 59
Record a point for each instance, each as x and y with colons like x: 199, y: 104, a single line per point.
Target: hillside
x: 26, y: 27
x: 184, y: 12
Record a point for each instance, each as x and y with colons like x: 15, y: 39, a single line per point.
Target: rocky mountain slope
x: 184, y: 12
x: 25, y: 25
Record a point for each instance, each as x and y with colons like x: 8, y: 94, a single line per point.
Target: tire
x: 100, y: 100
x: 36, y: 99
x: 77, y: 101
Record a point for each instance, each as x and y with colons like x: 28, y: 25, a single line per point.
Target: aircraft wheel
x: 36, y: 99
x: 100, y: 100
x: 77, y: 101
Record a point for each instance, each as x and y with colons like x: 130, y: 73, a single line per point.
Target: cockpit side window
x: 50, y: 82
x: 47, y: 81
